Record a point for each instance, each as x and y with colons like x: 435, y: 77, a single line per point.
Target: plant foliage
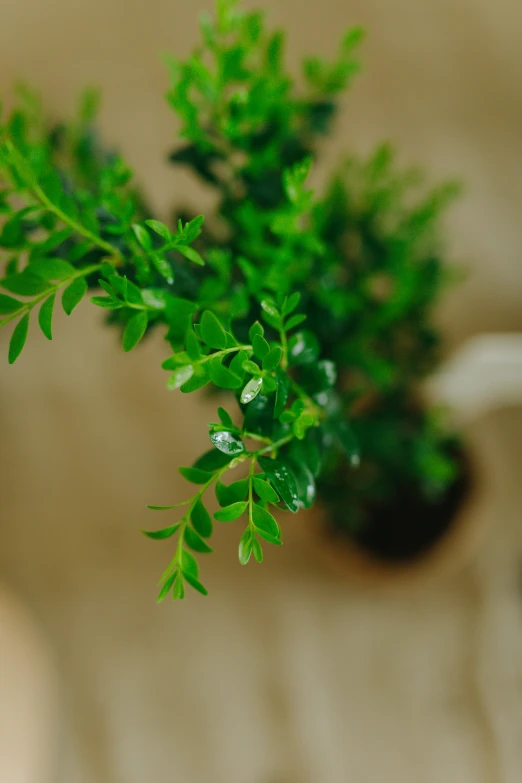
x: 314, y: 313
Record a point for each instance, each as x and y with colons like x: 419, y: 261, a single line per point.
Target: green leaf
x: 265, y: 521
x: 195, y: 583
x: 107, y: 302
x: 225, y: 417
x: 212, y: 332
x: 271, y: 313
x: 134, y: 330
x: 73, y: 294
x: 272, y: 358
x: 227, y: 441
x: 305, y: 481
x: 180, y: 376
x: 221, y: 376
x: 143, y: 236
x: 256, y: 329
x: 195, y: 542
x: 161, y: 508
x: 265, y: 491
x: 294, y: 321
x: 282, y: 392
x: 45, y: 317
x: 257, y: 549
x: 18, y: 338
x: 26, y: 283
x: 282, y: 479
x: 212, y: 460
x: 233, y: 493
x: 195, y: 475
x: 159, y: 535
x: 236, y: 365
x: 261, y: 347
x: 232, y: 512
x: 52, y: 268
x: 190, y: 254
x: 245, y: 547
x: 303, y: 348
x: 251, y: 390
x: 189, y: 564
x: 201, y: 520
x: 291, y: 303
x: 178, y: 591
x: 159, y: 228
x: 9, y: 304
x: 269, y: 538
x: 199, y: 379
x: 166, y: 587
x: 192, y: 345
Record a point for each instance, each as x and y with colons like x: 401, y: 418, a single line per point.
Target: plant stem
x: 28, y: 306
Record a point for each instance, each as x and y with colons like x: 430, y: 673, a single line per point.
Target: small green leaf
x: 245, y: 547
x: 9, y: 304
x: 26, y: 283
x: 159, y: 228
x: 346, y: 437
x: 161, y: 508
x: 195, y: 583
x: 45, y: 317
x: 272, y: 358
x: 52, y: 268
x: 282, y: 479
x: 190, y: 254
x: 265, y: 521
x: 192, y: 345
x: 221, y: 376
x: 251, y: 390
x: 195, y: 542
x: 236, y: 365
x: 180, y: 376
x: 201, y: 520
x: 189, y: 564
x: 294, y: 321
x: 232, y: 512
x: 225, y: 417
x: 178, y: 591
x: 134, y: 330
x: 212, y: 332
x: 199, y: 379
x: 282, y: 392
x: 73, y: 294
x: 226, y: 441
x: 261, y: 347
x: 212, y: 460
x: 159, y: 535
x: 256, y: 329
x: 233, y: 493
x: 195, y: 475
x: 143, y: 236
x: 291, y: 303
x: 265, y: 491
x: 166, y: 587
x: 257, y: 549
x: 18, y: 338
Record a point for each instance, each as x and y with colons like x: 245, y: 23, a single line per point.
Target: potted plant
x: 315, y: 313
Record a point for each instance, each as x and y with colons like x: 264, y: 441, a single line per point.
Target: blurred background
x: 284, y: 674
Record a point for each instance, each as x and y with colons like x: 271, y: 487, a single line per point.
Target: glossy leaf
x: 282, y: 479
x: 227, y: 442
x: 73, y: 294
x: 195, y: 475
x: 159, y: 535
x: 265, y: 491
x: 195, y: 541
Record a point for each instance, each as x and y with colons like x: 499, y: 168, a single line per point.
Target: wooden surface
x: 283, y: 675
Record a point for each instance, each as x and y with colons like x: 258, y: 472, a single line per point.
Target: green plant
x: 361, y: 266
